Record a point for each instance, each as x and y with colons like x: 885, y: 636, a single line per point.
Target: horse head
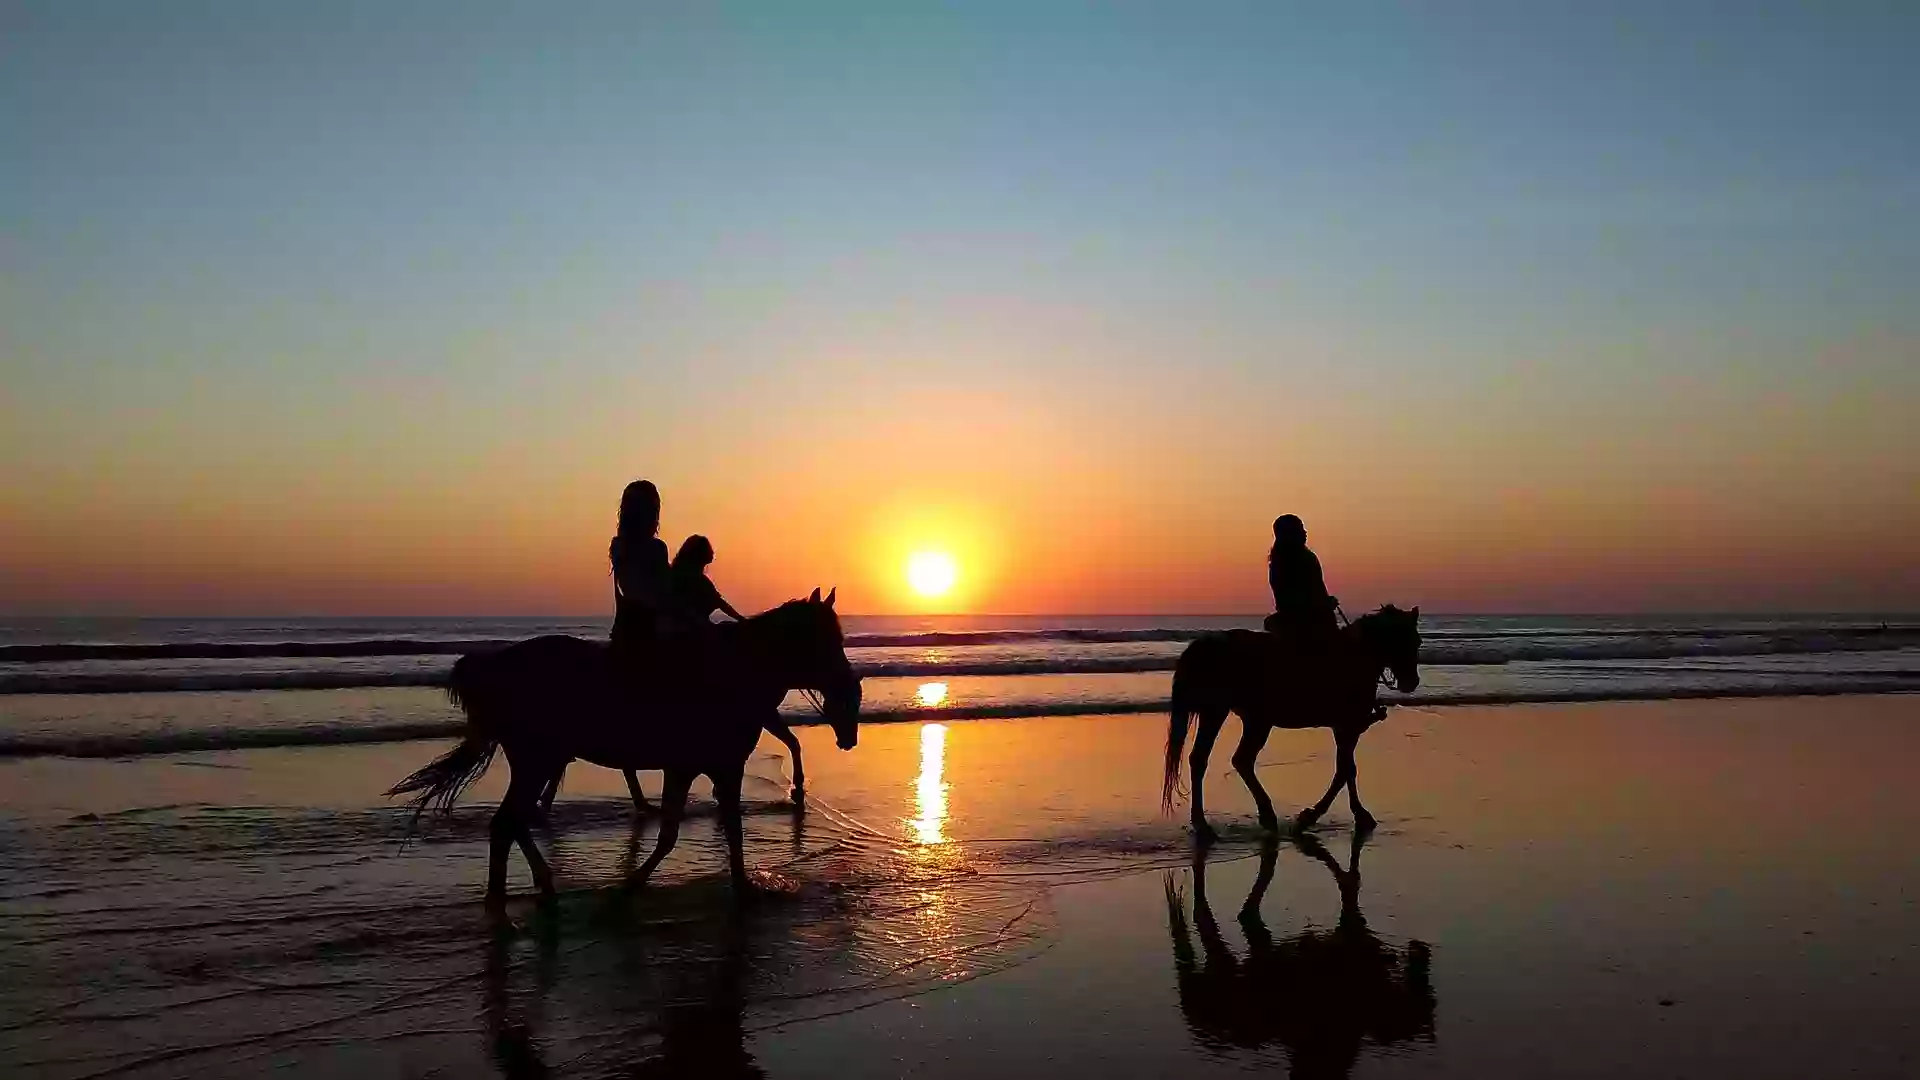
x: 815, y: 653
x: 1392, y: 637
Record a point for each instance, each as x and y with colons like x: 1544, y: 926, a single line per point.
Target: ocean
x: 200, y: 877
x: 114, y: 687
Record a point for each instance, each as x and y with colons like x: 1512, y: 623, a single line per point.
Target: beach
x: 1674, y: 888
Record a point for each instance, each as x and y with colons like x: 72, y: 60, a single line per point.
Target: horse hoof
x: 1364, y: 822
x: 1271, y: 826
x: 1307, y: 820
x: 1204, y: 833
x: 495, y: 903
x: 797, y: 796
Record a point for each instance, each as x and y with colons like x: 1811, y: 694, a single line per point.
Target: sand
x: 1663, y: 888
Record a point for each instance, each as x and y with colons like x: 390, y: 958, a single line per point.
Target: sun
x: 932, y: 573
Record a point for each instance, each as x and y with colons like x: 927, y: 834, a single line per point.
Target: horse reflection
x: 1320, y: 993
x: 698, y: 1028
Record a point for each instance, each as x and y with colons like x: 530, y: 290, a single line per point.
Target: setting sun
x: 932, y: 573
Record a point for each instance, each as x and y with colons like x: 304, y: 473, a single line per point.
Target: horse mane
x: 785, y: 617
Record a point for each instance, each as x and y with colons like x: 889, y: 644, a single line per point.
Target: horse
x: 773, y: 725
x: 1321, y: 993
x: 549, y: 700
x: 1246, y: 672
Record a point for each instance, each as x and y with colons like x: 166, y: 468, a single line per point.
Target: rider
x: 640, y: 575
x: 694, y: 597
x: 1302, y: 608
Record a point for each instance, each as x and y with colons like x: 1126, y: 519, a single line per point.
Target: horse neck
x: 765, y: 645
x: 1363, y: 648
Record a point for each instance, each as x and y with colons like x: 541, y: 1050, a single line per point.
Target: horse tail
x: 1180, y: 718
x: 438, y: 784
x: 463, y: 682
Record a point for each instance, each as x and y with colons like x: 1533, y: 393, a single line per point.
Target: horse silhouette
x: 1320, y: 994
x: 1270, y: 685
x: 550, y: 700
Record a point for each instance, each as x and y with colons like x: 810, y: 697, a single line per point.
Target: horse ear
x: 831, y: 593
x: 816, y: 595
x: 1416, y: 613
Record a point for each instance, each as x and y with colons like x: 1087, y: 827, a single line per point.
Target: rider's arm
x: 728, y: 608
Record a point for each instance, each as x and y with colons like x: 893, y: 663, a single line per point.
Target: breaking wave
x: 26, y: 678
x: 138, y: 744
x: 1448, y: 647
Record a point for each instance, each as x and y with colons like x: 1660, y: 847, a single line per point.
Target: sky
x: 373, y: 309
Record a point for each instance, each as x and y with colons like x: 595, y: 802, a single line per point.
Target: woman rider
x: 639, y: 558
x: 640, y: 598
x: 693, y: 594
x: 1302, y: 609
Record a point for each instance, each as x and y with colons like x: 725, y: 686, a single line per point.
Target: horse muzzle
x: 843, y: 712
x: 1406, y: 683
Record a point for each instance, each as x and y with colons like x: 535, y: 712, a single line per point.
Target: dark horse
x: 550, y: 700
x: 1321, y: 993
x: 1248, y: 672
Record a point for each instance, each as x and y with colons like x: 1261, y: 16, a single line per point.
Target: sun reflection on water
x: 930, y: 789
x: 931, y: 694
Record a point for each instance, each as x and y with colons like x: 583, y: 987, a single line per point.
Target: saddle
x: 1314, y: 658
x: 667, y: 663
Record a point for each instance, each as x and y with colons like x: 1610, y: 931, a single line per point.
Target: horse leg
x: 1210, y: 723
x: 640, y: 803
x: 508, y: 824
x: 726, y: 790
x: 542, y: 874
x: 1253, y: 736
x: 552, y: 791
x: 673, y: 806
x: 1342, y: 775
x: 778, y: 729
x: 1362, y: 820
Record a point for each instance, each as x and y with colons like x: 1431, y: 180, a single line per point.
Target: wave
x: 1447, y: 646
x: 141, y: 744
x: 135, y: 682
x: 244, y: 650
x: 66, y: 652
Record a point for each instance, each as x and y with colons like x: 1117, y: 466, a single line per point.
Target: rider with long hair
x: 1302, y: 608
x: 640, y: 575
x: 694, y: 596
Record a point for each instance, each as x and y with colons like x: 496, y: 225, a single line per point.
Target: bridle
x: 1383, y: 676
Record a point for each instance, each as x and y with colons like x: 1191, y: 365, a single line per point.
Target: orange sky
x: 301, y: 313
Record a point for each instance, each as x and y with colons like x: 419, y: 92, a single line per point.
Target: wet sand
x: 1662, y: 888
